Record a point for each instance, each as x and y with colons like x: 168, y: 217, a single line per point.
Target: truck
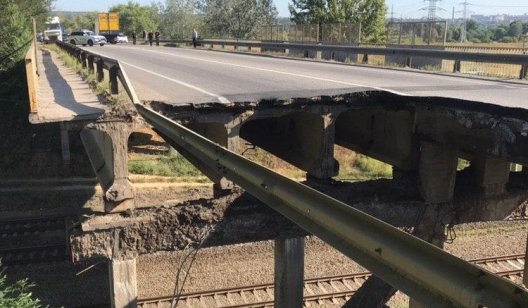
x: 53, y: 30
x: 107, y: 25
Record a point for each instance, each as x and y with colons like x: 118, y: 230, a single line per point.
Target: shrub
x: 17, y: 295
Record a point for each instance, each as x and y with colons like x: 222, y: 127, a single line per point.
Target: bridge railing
x: 97, y: 64
x: 32, y: 77
x: 421, y: 270
x: 404, y: 53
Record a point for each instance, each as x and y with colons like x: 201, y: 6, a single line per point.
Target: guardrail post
x: 91, y: 63
x: 457, y: 66
x: 365, y: 59
x: 408, y: 62
x: 524, y: 71
x: 83, y: 59
x: 112, y: 74
x: 100, y: 72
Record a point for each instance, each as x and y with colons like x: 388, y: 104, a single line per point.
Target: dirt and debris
x: 240, y: 218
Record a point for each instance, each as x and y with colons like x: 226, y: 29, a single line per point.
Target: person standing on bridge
x: 157, y: 36
x: 150, y: 37
x: 195, y: 38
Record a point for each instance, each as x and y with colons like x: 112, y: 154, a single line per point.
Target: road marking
x: 281, y: 72
x: 220, y: 98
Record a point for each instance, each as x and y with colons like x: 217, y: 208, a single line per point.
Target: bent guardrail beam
x: 423, y: 271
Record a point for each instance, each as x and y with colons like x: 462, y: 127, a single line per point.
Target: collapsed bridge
x: 421, y: 137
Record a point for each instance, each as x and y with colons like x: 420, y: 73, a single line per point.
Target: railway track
x: 326, y: 291
x: 33, y: 240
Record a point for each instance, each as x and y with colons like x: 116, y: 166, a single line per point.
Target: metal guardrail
x: 421, y: 270
x: 32, y: 77
x: 407, y: 53
x: 95, y: 64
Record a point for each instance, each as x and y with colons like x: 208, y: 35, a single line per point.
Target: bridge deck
x: 62, y: 94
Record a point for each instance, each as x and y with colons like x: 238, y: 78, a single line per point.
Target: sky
x: 402, y: 8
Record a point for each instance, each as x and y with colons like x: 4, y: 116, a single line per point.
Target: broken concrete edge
x: 508, y: 127
x: 239, y: 218
x: 359, y: 98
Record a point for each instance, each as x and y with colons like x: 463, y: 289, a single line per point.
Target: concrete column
x: 491, y: 175
x: 433, y: 233
x: 437, y: 172
x: 289, y: 272
x: 107, y: 149
x: 65, y: 144
x: 305, y: 140
x: 123, y: 284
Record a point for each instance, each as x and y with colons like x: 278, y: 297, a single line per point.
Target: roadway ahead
x: 178, y: 75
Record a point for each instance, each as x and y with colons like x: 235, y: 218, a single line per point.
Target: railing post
x: 100, y: 72
x: 83, y: 59
x: 112, y: 74
x: 365, y: 59
x: 457, y: 66
x: 524, y: 71
x: 91, y: 63
x: 408, y: 62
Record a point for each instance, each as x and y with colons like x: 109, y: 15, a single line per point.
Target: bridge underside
x: 423, y: 138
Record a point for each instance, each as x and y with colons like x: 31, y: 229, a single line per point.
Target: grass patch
x: 165, y: 165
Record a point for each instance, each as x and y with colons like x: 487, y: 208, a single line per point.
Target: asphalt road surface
x: 181, y: 75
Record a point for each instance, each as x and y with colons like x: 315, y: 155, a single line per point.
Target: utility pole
x: 392, y: 14
x: 465, y: 14
x: 432, y: 9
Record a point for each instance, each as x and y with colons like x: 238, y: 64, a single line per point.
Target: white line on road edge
x: 221, y: 99
x: 281, y: 72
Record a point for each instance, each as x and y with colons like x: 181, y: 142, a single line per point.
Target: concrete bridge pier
x: 222, y: 134
x: 289, y: 272
x: 303, y: 139
x: 107, y: 147
x: 437, y: 175
x: 491, y: 175
x: 123, y: 283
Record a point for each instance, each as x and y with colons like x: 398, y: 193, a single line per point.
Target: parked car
x: 121, y: 38
x: 86, y: 37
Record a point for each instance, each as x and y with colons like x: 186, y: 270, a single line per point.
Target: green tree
x: 137, y: 18
x: 499, y: 33
x: 79, y: 22
x: 180, y: 17
x: 516, y: 29
x: 241, y: 19
x: 16, y: 35
x: 371, y: 15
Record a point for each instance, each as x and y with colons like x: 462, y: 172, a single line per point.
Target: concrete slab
x: 62, y: 94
